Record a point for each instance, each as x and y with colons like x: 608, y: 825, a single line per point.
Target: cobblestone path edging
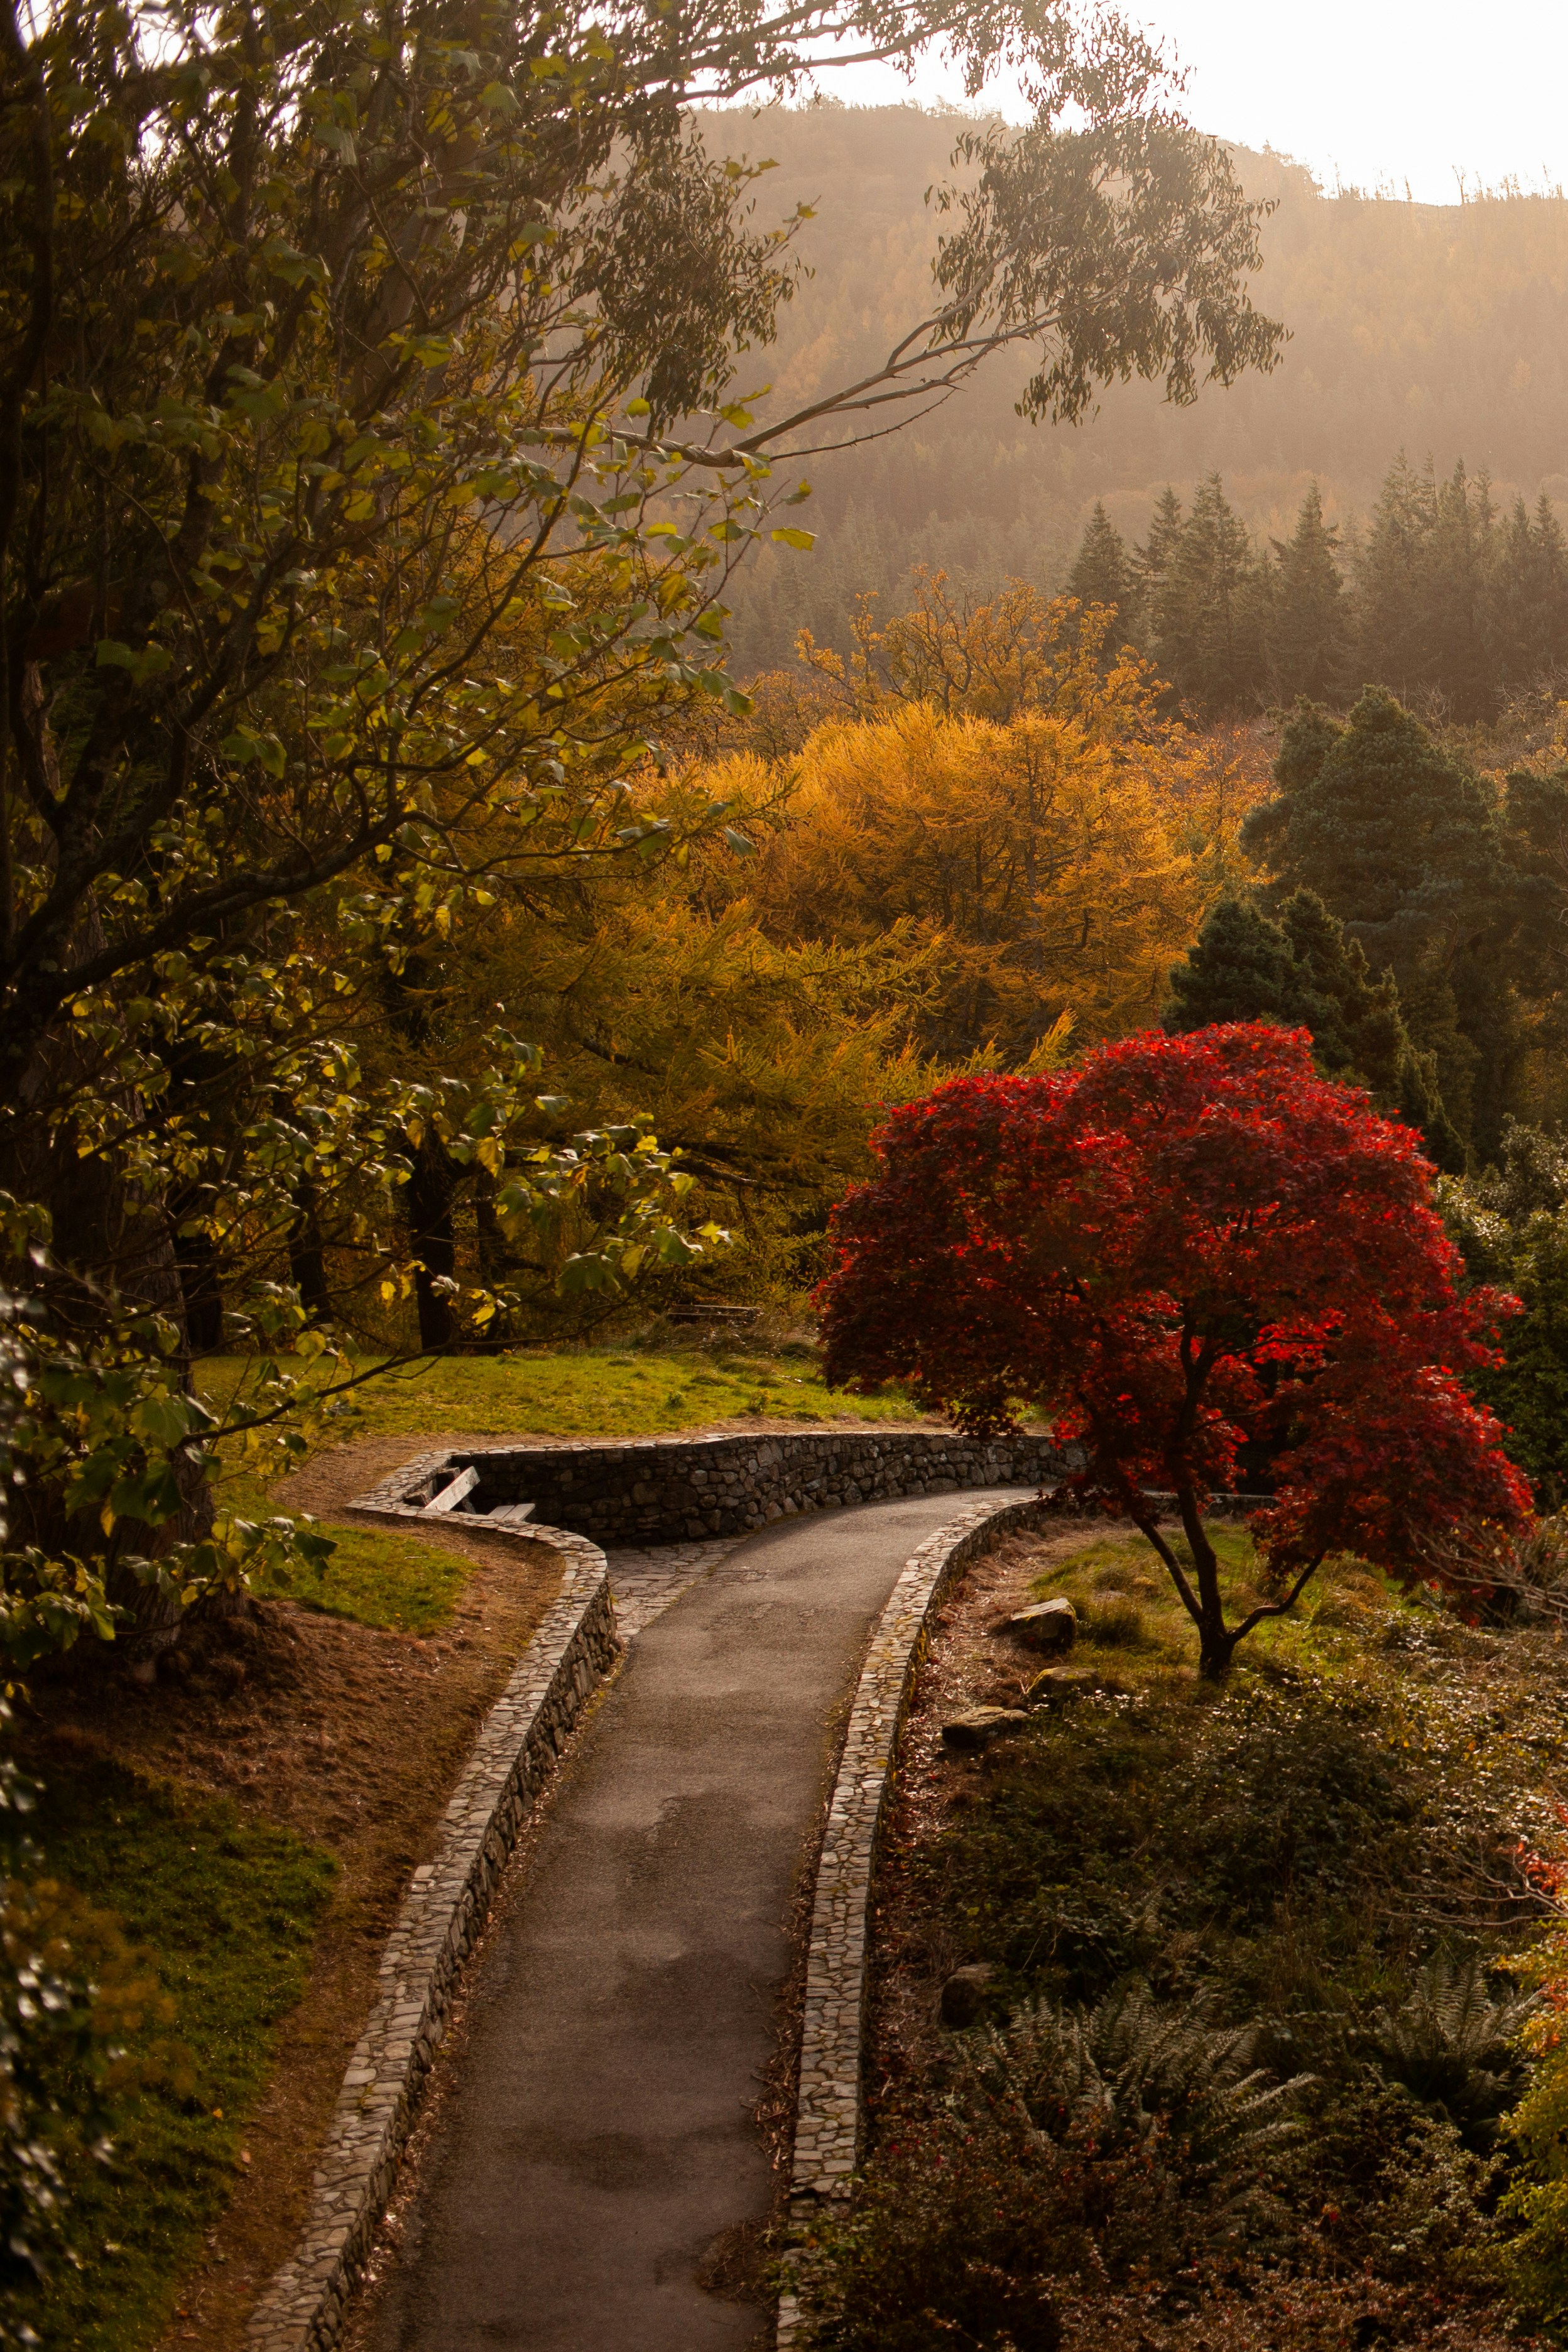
x: 439, y: 1920
x: 828, y: 2099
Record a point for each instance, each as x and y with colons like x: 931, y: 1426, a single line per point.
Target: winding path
x: 596, y: 2139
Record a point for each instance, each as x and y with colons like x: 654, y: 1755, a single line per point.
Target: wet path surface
x: 596, y: 2137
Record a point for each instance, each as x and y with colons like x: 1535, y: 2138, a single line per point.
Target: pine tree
x: 1552, y: 561
x: 1105, y: 573
x: 1529, y: 597
x: 1399, y: 838
x: 1309, y: 635
x: 1403, y: 844
x: 1154, y: 558
x: 1303, y: 972
x: 1458, y: 644
x: 1205, y: 619
x: 1239, y: 968
x: 1390, y: 575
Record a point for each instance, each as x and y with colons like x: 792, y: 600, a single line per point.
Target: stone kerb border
x: 828, y: 2100
x: 439, y: 1920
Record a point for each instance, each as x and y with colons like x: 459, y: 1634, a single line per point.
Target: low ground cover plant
x: 1254, y: 2030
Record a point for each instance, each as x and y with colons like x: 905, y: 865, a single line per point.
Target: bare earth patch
x: 350, y: 1736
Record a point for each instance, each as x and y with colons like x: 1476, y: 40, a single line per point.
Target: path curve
x: 596, y: 2137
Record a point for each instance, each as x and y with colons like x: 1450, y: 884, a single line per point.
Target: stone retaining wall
x: 439, y: 1920
x: 655, y: 1490
x: 828, y: 2100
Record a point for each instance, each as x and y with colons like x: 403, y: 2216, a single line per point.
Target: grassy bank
x: 1237, y: 2070
x: 586, y: 1392
x: 400, y: 1582
x: 204, y: 1953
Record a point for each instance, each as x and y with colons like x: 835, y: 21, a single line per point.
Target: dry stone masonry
x: 441, y: 1916
x: 828, y: 2101
x: 662, y: 1490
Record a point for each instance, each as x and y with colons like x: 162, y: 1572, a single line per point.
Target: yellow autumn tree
x: 1049, y: 874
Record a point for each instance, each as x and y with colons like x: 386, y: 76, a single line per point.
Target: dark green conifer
x: 1154, y: 558
x: 1402, y: 842
x: 1399, y: 838
x: 1205, y: 618
x: 1239, y: 968
x: 1390, y: 571
x: 1529, y: 598
x: 1302, y: 972
x: 1103, y: 572
x: 1308, y: 631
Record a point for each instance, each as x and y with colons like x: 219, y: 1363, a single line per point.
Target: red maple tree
x: 1187, y: 1246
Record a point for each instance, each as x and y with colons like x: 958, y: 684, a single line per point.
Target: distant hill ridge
x: 1439, y: 328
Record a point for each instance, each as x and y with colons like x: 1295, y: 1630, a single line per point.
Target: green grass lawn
x: 226, y: 1910
x: 408, y: 1586
x: 584, y: 1393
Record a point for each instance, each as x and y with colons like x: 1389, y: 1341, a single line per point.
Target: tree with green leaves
x: 372, y: 461
x: 1206, y: 618
x: 1530, y: 596
x: 1511, y: 1225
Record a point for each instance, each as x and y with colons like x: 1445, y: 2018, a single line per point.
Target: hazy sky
x: 1371, y: 92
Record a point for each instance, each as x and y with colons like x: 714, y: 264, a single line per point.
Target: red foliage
x: 1186, y: 1246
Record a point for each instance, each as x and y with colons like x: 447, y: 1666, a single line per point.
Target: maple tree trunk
x: 1217, y: 1643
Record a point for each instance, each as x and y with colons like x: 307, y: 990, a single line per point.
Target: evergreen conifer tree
x: 1154, y: 558
x: 1399, y: 838
x: 1205, y: 619
x: 1458, y: 652
x: 1239, y: 968
x: 1529, y: 597
x: 1304, y: 973
x: 1403, y: 844
x: 1104, y: 571
x: 1390, y: 575
x: 1309, y: 635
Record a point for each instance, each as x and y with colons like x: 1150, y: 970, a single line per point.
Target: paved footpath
x: 596, y: 2137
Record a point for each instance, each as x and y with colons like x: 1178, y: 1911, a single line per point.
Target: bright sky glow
x: 1371, y: 93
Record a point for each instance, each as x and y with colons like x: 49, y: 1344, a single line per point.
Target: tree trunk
x: 112, y: 1249
x: 307, y: 1255
x: 201, y: 1286
x: 1216, y: 1642
x: 428, y: 1197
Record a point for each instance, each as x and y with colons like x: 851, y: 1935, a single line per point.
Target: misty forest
x: 783, y: 1172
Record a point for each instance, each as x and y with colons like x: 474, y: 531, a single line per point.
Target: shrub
x: 1455, y: 2046
x: 1073, y: 2143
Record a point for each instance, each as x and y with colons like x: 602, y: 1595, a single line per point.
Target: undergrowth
x: 206, y: 1921
x: 1319, y: 1859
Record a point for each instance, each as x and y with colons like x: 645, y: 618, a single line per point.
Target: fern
x: 1135, y: 2072
x: 1454, y: 2045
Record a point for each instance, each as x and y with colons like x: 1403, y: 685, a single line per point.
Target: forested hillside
x: 1437, y: 330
